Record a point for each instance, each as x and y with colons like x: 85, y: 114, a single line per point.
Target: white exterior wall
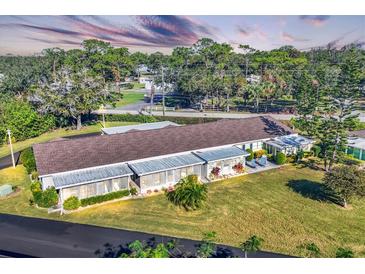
x: 165, y: 179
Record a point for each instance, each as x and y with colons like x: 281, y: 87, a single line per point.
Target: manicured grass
x: 285, y: 206
x: 63, y: 132
x: 130, y: 97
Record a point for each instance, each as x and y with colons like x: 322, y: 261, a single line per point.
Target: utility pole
x: 163, y: 92
x: 103, y: 116
x: 11, y: 148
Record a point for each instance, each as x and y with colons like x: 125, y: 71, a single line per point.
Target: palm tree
x: 253, y: 244
x: 189, y: 193
x: 255, y: 90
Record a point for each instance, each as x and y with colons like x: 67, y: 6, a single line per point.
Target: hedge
x: 28, y: 160
x: 71, y: 203
x: 186, y: 120
x: 139, y: 118
x: 104, y: 198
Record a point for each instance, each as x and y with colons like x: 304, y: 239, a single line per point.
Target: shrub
x: 34, y: 175
x: 313, y: 250
x: 189, y: 193
x: 103, y: 198
x: 133, y: 191
x: 299, y: 156
x: 280, y: 158
x: 344, y: 253
x: 260, y: 153
x: 36, y: 189
x: 49, y: 198
x: 71, y: 203
x: 251, y: 156
x: 28, y: 160
x: 316, y: 150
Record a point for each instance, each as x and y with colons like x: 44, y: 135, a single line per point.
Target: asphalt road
x: 7, y: 162
x: 33, y: 237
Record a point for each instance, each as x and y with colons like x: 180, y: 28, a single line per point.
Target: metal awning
x: 289, y: 141
x: 167, y: 163
x: 91, y: 175
x: 221, y: 154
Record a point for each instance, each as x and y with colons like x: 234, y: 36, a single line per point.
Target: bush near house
x: 71, y: 203
x: 316, y: 150
x: 104, y: 198
x: 251, y: 156
x: 47, y: 198
x: 189, y: 193
x: 260, y: 153
x: 28, y: 160
x: 280, y: 158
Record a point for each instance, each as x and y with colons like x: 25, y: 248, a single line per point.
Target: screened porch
x: 161, y: 173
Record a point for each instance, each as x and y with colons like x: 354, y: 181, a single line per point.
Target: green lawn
x: 130, y: 97
x: 274, y: 205
x: 63, y: 132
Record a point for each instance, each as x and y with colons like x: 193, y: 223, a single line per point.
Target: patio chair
x: 262, y: 161
x: 251, y: 163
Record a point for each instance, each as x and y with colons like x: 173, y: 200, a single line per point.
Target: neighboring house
x: 147, y: 81
x: 356, y: 144
x: 152, y: 159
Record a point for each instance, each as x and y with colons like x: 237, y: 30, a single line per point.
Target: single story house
x: 153, y: 159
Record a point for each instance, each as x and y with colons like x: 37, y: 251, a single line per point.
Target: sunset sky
x: 30, y: 34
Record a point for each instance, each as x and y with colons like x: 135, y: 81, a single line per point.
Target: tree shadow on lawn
x: 313, y: 190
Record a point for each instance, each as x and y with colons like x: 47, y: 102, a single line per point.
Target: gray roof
x: 220, y: 154
x: 167, y: 163
x: 356, y: 142
x: 289, y: 141
x: 147, y: 126
x: 91, y: 175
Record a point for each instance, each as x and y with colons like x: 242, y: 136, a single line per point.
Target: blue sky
x: 31, y: 34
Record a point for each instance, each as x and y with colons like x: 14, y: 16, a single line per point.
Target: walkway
x: 33, y: 237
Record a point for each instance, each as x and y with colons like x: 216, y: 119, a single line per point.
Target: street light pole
x: 11, y: 147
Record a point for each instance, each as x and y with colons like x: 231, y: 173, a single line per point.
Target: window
x: 197, y: 170
x: 170, y: 176
x: 183, y: 172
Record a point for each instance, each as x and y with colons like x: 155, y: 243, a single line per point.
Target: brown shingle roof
x: 54, y: 157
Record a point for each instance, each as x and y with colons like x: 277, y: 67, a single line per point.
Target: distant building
x: 147, y: 81
x: 356, y: 144
x: 253, y: 79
